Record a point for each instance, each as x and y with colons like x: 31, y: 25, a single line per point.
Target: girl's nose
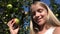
x: 37, y: 14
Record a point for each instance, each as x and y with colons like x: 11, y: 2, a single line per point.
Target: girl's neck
x: 44, y: 27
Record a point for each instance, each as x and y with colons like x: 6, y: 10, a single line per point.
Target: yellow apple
x: 57, y: 15
x: 9, y: 6
x: 17, y: 20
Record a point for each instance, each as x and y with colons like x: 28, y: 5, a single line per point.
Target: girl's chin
x: 40, y: 23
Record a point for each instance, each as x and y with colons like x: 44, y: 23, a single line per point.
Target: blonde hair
x: 52, y: 20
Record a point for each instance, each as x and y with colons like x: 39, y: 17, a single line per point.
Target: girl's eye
x: 40, y: 10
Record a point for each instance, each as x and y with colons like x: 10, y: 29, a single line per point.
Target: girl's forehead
x: 35, y: 7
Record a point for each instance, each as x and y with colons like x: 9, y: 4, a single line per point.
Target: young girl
x: 43, y: 21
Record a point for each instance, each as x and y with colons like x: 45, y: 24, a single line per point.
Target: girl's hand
x: 10, y: 25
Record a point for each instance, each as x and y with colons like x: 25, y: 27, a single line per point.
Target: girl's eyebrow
x: 39, y: 9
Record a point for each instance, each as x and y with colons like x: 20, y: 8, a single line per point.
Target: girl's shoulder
x: 57, y: 30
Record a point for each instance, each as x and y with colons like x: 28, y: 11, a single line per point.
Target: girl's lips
x: 38, y: 20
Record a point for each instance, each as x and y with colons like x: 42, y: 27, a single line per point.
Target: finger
x: 9, y: 23
x: 13, y: 23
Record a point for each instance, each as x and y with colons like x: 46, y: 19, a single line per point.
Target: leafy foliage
x: 55, y: 8
x: 13, y: 9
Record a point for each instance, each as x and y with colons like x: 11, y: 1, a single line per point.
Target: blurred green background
x: 15, y: 9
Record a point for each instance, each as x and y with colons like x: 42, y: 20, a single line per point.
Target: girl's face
x: 39, y: 14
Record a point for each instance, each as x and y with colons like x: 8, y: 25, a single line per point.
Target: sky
x: 45, y: 1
